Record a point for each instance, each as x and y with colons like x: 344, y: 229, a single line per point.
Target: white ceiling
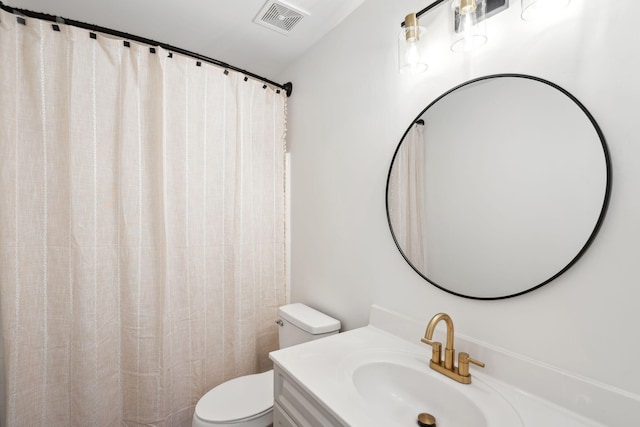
x: 223, y: 30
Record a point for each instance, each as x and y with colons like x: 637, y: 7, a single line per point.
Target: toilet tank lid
x: 308, y: 319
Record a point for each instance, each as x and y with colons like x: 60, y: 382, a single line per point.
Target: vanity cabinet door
x: 298, y: 408
x: 280, y: 417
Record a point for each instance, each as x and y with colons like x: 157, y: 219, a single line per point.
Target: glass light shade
x: 412, y: 50
x: 538, y: 9
x: 469, y: 25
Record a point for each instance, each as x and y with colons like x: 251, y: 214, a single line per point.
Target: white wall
x: 348, y: 111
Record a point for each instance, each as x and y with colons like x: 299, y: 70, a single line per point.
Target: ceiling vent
x: 279, y: 16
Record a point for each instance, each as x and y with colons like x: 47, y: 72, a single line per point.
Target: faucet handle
x: 463, y: 363
x: 435, y: 349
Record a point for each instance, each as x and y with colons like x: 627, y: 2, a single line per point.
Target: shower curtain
x: 407, y: 197
x: 141, y: 228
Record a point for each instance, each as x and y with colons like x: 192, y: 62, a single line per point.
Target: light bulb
x: 466, y: 23
x: 412, y: 55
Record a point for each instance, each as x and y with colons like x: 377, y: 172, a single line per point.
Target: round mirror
x: 498, y: 187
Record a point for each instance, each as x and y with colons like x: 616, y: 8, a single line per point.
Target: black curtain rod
x: 287, y: 87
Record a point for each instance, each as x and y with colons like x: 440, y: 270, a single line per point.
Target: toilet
x: 248, y: 401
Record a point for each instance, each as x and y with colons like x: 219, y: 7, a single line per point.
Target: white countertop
x: 324, y: 368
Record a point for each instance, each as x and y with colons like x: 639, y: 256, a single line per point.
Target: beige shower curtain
x: 407, y: 198
x: 141, y: 228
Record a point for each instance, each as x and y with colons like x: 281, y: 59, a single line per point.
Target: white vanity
x: 379, y: 375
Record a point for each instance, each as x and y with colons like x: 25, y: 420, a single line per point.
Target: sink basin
x: 399, y: 387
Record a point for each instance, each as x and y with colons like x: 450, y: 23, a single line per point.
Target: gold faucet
x: 446, y: 366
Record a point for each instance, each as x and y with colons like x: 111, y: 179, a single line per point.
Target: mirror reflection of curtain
x: 406, y: 199
x: 141, y: 228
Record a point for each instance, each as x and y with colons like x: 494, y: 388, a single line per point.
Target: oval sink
x: 400, y: 389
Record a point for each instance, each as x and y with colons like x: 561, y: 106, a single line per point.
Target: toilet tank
x: 300, y: 323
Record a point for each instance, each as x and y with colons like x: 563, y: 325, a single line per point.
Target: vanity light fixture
x: 469, y: 25
x: 468, y: 30
x: 411, y: 46
x: 537, y: 9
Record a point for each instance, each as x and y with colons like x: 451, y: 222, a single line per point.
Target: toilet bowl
x: 244, y: 401
x: 247, y: 401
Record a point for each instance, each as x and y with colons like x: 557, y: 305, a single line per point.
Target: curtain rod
x: 287, y: 87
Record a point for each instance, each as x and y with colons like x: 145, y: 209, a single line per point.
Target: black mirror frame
x: 605, y: 202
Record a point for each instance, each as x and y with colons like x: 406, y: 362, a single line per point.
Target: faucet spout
x: 449, y: 351
x: 447, y: 367
x: 431, y: 327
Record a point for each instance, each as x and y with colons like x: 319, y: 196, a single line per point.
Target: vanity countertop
x: 324, y: 369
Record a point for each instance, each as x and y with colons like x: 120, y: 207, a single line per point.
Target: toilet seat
x: 239, y: 399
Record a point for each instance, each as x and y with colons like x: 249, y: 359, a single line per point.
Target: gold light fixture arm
x: 467, y: 6
x: 411, y: 25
